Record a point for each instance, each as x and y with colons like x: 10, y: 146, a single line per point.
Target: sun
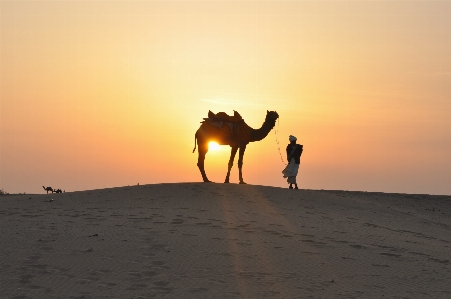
x: 213, y: 146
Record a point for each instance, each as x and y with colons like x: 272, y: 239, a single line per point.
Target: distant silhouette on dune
x: 48, y: 189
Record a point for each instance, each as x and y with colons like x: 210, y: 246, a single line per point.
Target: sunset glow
x: 213, y: 146
x: 99, y: 94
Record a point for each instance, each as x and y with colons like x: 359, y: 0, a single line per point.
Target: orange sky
x: 99, y: 94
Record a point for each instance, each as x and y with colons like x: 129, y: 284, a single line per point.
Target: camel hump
x: 225, y: 117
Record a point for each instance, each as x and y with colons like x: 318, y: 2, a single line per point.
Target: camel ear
x: 267, y: 111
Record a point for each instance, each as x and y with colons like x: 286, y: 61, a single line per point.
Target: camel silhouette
x: 48, y: 189
x: 233, y: 131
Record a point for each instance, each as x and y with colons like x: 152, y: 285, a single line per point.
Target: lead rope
x: 277, y: 141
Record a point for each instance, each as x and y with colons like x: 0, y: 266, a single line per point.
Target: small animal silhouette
x: 48, y: 189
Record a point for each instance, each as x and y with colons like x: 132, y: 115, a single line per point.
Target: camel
x: 48, y: 189
x: 229, y: 130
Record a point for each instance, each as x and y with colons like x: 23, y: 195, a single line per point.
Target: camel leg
x: 203, y: 149
x: 240, y: 162
x: 232, y: 157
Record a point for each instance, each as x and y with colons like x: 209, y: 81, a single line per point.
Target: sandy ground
x: 197, y: 240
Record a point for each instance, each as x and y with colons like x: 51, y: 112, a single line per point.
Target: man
x: 294, y: 152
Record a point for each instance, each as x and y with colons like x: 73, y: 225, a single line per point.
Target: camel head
x: 271, y: 116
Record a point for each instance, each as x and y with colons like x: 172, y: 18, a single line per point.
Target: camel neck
x: 261, y: 133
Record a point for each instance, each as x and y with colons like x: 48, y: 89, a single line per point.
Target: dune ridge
x: 197, y: 240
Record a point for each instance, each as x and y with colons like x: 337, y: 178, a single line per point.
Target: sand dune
x: 196, y: 240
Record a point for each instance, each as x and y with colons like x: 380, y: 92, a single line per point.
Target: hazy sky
x: 98, y: 94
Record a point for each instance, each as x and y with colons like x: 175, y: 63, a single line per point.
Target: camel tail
x: 195, y: 142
